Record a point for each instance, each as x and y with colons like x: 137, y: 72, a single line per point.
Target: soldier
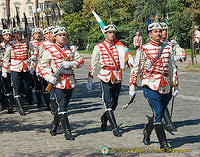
x: 47, y: 43
x: 16, y: 57
x: 6, y: 77
x: 179, y: 55
x: 55, y: 57
x: 137, y: 41
x: 37, y: 82
x: 196, y: 39
x: 110, y: 75
x: 154, y: 63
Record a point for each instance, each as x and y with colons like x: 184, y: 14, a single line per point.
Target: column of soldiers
x: 154, y: 64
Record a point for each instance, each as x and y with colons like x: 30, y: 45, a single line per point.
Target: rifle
x: 17, y: 16
x: 26, y: 34
x: 59, y: 15
x: 14, y: 25
x: 60, y: 69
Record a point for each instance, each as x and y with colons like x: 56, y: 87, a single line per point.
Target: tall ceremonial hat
x: 35, y: 30
x: 45, y: 31
x: 110, y: 27
x: 58, y: 30
x: 51, y: 28
x: 6, y: 31
x: 164, y: 25
x: 17, y: 29
x: 155, y: 25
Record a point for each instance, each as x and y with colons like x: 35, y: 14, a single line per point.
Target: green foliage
x: 129, y: 16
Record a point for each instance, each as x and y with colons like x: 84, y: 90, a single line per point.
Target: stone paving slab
x: 29, y: 136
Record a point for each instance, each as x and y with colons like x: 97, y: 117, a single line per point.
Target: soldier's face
x: 61, y: 38
x: 110, y: 35
x: 155, y: 34
x: 36, y: 35
x: 18, y: 35
x: 7, y: 37
x: 164, y: 33
x: 46, y: 36
x: 51, y: 37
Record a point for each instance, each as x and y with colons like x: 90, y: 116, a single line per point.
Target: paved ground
x: 29, y: 136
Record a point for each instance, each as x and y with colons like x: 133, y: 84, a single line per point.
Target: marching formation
x: 50, y: 64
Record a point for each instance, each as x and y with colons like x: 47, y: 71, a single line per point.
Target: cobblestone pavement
x: 29, y: 136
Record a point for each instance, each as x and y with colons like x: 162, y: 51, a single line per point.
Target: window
x: 3, y: 12
x: 41, y: 5
x: 47, y: 4
x: 30, y: 11
x: 18, y: 10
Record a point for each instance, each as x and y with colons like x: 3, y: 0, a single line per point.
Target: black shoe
x: 171, y: 128
x: 104, y: 122
x: 165, y: 147
x: 68, y: 135
x: 22, y: 113
x: 116, y: 132
x: 10, y: 110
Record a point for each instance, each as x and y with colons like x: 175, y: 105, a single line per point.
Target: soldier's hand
x: 89, y: 86
x: 175, y: 93
x: 52, y: 80
x: 130, y: 60
x: 66, y: 64
x: 4, y: 75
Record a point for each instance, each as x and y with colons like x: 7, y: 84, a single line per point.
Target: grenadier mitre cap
x: 58, y: 30
x: 35, y: 30
x: 45, y: 31
x: 164, y: 25
x: 6, y: 31
x: 109, y: 28
x: 155, y: 25
x: 51, y: 28
x: 17, y: 29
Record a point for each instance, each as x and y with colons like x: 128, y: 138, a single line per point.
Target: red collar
x: 110, y: 43
x: 61, y: 46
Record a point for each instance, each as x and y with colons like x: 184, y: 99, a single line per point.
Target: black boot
x: 39, y: 99
x: 160, y: 132
x: 113, y: 123
x: 104, y: 120
x: 10, y: 103
x: 54, y: 124
x: 66, y: 127
x: 47, y: 100
x: 168, y: 121
x: 19, y: 105
x: 147, y: 131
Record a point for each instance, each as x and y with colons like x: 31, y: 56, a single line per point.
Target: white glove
x: 32, y: 72
x: 176, y: 58
x: 4, y: 75
x: 52, y: 80
x: 89, y: 86
x: 130, y: 60
x: 132, y: 93
x: 30, y: 59
x: 66, y: 64
x: 175, y: 93
x: 37, y: 74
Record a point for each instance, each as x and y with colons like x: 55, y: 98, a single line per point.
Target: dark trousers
x: 158, y: 102
x: 7, y: 84
x: 110, y: 93
x: 20, y: 82
x: 62, y: 97
x: 196, y: 45
x: 37, y: 85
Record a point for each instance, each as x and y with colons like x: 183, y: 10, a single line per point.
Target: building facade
x: 24, y: 6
